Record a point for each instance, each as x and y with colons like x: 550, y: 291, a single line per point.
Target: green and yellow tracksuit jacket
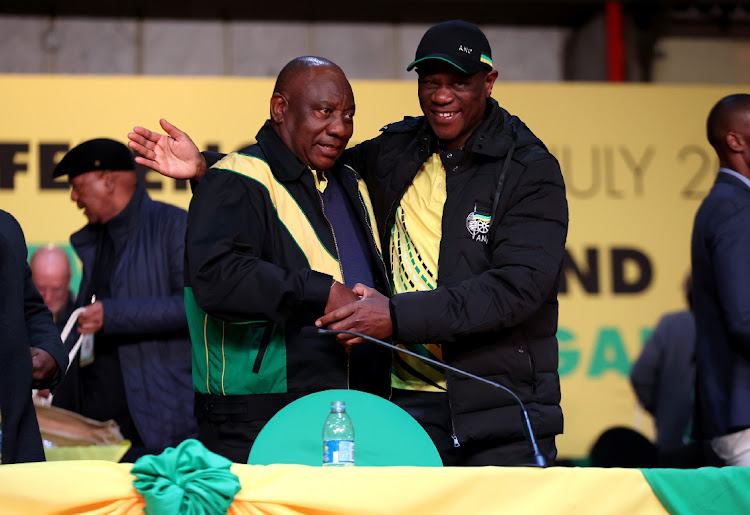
x: 260, y: 259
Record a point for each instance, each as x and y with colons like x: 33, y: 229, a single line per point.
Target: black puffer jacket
x: 495, y: 308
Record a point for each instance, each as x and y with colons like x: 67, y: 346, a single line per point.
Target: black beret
x: 95, y: 154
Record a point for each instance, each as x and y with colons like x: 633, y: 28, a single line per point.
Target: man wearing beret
x: 137, y: 371
x: 473, y: 220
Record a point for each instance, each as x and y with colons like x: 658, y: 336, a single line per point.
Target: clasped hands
x: 361, y: 309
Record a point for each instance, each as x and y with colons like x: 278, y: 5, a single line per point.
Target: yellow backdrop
x: 634, y: 158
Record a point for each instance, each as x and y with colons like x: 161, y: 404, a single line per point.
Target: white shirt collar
x: 735, y: 174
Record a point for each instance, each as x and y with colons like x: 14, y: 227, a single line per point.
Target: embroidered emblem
x: 465, y: 49
x: 478, y: 225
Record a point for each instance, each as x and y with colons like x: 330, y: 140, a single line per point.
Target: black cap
x: 95, y: 154
x: 457, y: 42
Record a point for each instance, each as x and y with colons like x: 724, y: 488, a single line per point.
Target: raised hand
x: 173, y: 154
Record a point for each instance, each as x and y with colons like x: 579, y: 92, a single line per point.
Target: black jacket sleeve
x: 527, y: 248
x: 229, y: 251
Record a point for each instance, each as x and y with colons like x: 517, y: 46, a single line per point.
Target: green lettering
x: 569, y: 355
x: 609, y: 353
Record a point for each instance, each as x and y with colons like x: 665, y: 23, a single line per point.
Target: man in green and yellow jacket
x: 278, y: 234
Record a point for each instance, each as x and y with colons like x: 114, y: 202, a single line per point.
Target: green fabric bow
x: 187, y: 479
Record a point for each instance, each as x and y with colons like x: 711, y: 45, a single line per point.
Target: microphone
x: 541, y: 461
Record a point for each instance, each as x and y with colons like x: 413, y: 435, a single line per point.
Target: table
x: 103, y: 487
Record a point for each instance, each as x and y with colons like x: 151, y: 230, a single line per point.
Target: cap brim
x: 440, y: 57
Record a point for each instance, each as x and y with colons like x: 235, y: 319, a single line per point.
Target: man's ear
x: 278, y: 107
x: 489, y: 81
x: 109, y: 180
x: 735, y: 141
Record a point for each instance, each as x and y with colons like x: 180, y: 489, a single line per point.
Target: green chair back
x: 384, y: 434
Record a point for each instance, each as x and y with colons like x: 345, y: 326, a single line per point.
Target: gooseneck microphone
x: 541, y: 461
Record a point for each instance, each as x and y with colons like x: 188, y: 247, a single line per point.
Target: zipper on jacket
x: 341, y: 269
x: 330, y: 228
x: 501, y: 180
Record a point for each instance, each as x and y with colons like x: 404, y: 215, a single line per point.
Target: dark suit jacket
x: 663, y: 377
x: 24, y: 322
x: 721, y: 293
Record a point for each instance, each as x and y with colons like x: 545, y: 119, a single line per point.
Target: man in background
x: 137, y: 370
x: 721, y: 286
x: 51, y: 273
x: 663, y: 378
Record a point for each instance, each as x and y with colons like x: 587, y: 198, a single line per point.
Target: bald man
x: 137, y: 371
x: 278, y: 234
x: 721, y: 283
x: 51, y: 273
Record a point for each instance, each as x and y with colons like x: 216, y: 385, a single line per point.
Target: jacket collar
x: 121, y: 225
x: 732, y: 177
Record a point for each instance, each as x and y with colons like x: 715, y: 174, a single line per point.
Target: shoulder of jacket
x: 535, y: 153
x: 677, y: 316
x: 347, y: 171
x: 246, y: 162
x: 408, y: 124
x: 167, y: 208
x: 728, y: 203
x: 9, y: 219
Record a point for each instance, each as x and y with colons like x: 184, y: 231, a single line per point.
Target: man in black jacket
x: 473, y: 219
x: 25, y: 323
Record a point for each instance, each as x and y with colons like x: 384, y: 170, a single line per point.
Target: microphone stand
x: 538, y: 457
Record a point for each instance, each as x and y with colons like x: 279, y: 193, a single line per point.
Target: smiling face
x: 314, y: 115
x: 92, y: 192
x: 453, y: 102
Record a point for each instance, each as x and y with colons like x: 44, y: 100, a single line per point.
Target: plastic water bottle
x: 338, y: 437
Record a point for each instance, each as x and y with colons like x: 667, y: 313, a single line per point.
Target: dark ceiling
x: 506, y: 12
x: 695, y: 18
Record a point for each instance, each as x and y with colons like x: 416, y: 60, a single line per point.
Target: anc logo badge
x: 478, y: 225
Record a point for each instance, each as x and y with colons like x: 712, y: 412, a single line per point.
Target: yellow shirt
x: 415, y: 249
